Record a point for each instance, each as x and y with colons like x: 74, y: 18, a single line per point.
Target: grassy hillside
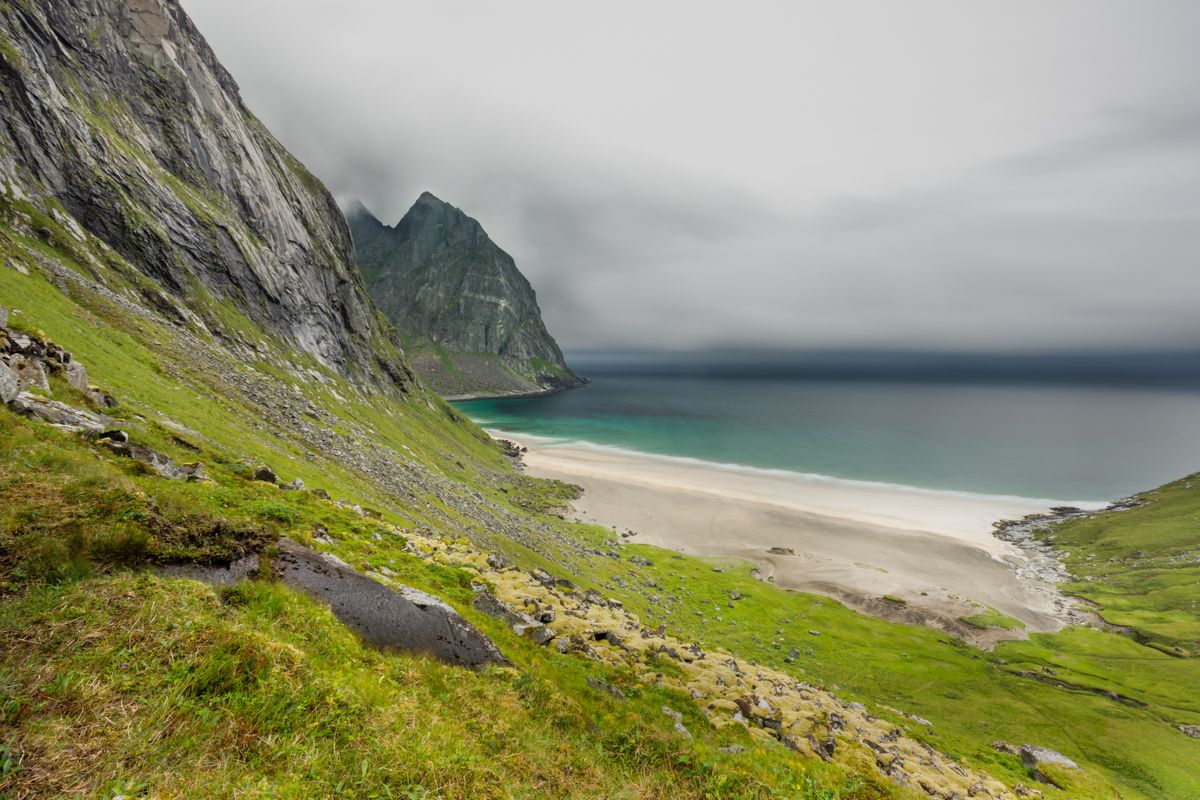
x: 181, y: 690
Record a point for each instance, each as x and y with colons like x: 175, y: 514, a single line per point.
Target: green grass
x: 75, y: 518
x: 1141, y: 567
x: 991, y: 618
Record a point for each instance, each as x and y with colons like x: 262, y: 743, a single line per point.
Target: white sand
x: 855, y: 541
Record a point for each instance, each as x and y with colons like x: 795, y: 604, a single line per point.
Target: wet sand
x: 852, y: 541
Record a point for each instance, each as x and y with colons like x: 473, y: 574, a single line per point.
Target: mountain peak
x: 442, y: 281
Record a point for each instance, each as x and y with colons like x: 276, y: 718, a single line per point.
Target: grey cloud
x: 774, y: 175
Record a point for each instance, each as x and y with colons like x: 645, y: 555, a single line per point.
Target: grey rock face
x: 9, y: 388
x: 408, y: 620
x: 119, y: 111
x: 437, y: 274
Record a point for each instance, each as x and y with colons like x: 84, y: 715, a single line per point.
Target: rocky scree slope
x: 473, y: 315
x: 118, y: 117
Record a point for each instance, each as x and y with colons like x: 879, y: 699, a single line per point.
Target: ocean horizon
x: 1071, y: 441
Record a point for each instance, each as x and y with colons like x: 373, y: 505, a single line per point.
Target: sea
x: 1047, y: 432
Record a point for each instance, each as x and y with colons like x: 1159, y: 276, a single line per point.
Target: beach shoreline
x: 864, y: 544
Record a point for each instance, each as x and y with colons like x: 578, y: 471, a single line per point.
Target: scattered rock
x: 781, y: 551
x: 1189, y: 730
x: 404, y: 619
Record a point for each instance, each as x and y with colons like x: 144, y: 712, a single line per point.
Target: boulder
x: 402, y: 619
x: 296, y: 485
x: 9, y: 388
x: 77, y: 376
x: 101, y: 397
x: 266, y: 475
x: 31, y: 373
x: 536, y: 631
x: 489, y: 604
x: 1034, y: 758
x: 1189, y: 730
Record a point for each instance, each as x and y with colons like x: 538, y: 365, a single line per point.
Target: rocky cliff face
x: 117, y: 117
x: 473, y: 316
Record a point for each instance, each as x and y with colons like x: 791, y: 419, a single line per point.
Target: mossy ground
x: 288, y: 695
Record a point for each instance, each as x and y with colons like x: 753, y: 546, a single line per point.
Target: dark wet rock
x: 266, y: 475
x: 115, y: 435
x: 401, y: 619
x: 781, y: 551
x: 215, y: 574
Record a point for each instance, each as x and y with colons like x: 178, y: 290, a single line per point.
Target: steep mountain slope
x: 118, y: 115
x: 472, y: 318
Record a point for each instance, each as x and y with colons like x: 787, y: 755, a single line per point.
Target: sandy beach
x: 853, y: 541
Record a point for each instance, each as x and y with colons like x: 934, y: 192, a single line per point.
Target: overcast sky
x: 933, y: 175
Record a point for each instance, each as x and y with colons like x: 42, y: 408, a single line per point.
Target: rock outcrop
x: 391, y: 619
x: 473, y: 318
x: 117, y: 122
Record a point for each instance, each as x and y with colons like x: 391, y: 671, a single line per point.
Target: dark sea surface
x: 1083, y: 441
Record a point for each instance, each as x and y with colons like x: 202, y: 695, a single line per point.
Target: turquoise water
x: 1059, y: 442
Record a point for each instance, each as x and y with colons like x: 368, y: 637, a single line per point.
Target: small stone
x: 321, y: 493
x: 296, y: 485
x: 733, y: 749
